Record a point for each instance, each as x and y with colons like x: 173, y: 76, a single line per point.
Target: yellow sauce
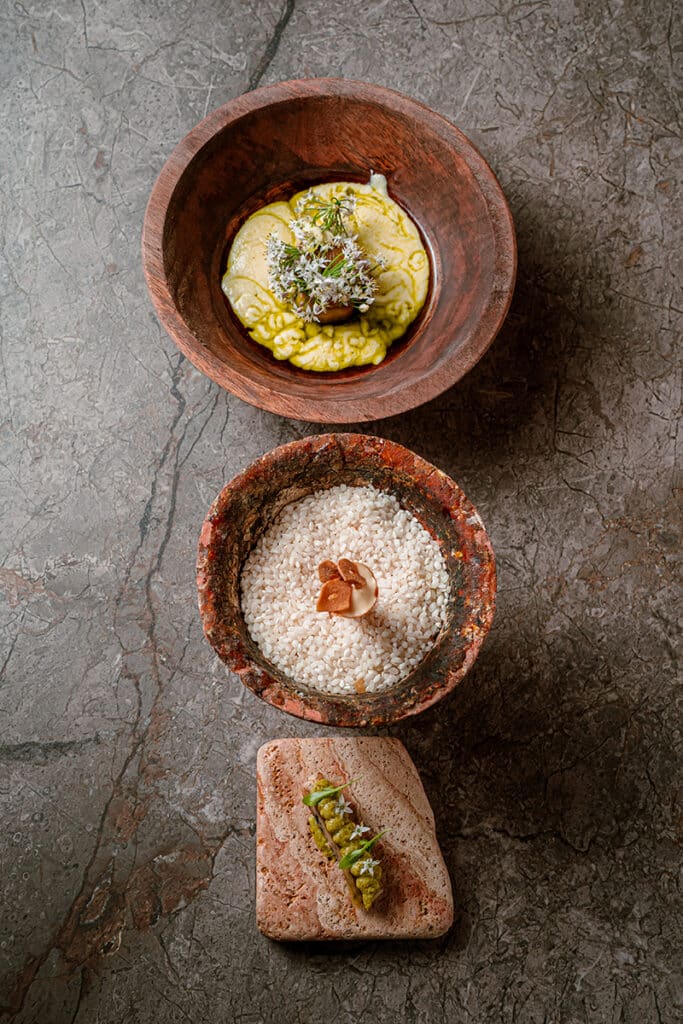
x: 383, y: 230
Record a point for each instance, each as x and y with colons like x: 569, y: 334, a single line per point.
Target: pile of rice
x: 330, y: 653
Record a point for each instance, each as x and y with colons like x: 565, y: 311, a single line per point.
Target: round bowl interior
x: 267, y: 145
x: 249, y: 503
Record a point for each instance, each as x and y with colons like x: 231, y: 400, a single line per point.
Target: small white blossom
x: 359, y: 832
x: 341, y: 808
x: 367, y: 866
x: 325, y: 267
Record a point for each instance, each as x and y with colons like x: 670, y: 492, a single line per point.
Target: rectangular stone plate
x: 300, y: 895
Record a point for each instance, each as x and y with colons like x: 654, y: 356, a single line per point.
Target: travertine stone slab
x: 302, y: 895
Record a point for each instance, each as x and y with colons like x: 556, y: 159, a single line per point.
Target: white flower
x: 325, y: 267
x: 359, y: 831
x: 368, y: 865
x: 341, y: 808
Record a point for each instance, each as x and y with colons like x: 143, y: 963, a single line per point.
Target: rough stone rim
x: 453, y: 655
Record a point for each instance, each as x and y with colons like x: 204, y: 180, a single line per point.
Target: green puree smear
x: 339, y: 836
x: 329, y: 279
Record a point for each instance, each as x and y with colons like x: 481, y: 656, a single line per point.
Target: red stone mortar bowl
x: 269, y: 144
x: 247, y: 505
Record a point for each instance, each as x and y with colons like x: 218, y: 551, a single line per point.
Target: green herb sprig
x: 355, y: 855
x: 324, y: 268
x: 337, y: 267
x: 289, y: 254
x: 313, y: 799
x: 326, y: 214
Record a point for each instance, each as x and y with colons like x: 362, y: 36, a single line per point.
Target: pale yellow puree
x: 384, y: 230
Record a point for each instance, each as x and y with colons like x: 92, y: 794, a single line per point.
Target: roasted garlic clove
x: 348, y: 571
x: 363, y: 598
x: 327, y: 570
x: 335, y: 596
x: 349, y: 588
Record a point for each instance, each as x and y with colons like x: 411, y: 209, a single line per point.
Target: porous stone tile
x: 301, y: 895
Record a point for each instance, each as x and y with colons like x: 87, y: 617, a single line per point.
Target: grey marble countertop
x: 127, y: 755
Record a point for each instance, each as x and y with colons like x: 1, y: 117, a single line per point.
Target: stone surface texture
x: 300, y: 895
x: 127, y: 780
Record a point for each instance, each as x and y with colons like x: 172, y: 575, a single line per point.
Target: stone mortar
x: 246, y: 506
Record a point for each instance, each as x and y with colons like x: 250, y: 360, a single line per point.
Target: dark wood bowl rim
x: 344, y: 406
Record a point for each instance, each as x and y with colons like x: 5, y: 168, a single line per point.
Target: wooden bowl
x: 268, y: 144
x: 249, y: 503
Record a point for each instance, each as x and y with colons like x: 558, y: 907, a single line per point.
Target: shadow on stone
x: 485, y: 414
x: 536, y: 769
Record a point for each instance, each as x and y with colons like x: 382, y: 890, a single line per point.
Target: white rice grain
x: 280, y: 585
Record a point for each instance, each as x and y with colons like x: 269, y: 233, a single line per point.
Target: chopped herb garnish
x: 350, y: 858
x: 313, y: 799
x: 326, y: 269
x: 290, y: 253
x: 337, y: 267
x: 327, y: 214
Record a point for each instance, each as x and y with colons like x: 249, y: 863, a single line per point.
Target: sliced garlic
x: 362, y: 598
